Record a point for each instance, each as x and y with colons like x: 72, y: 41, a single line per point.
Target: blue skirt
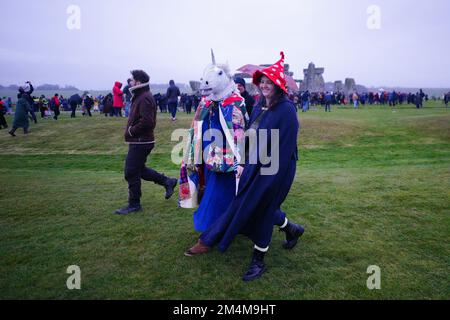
x: 220, y: 191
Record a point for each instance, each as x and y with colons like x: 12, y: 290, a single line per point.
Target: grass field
x: 372, y: 188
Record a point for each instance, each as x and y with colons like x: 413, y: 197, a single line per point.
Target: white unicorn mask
x: 217, y: 82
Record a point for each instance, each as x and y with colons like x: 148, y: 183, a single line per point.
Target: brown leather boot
x: 197, y: 249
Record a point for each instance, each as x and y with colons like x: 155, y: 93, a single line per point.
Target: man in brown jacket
x: 140, y: 137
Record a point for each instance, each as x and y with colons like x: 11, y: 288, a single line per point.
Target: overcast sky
x: 171, y: 39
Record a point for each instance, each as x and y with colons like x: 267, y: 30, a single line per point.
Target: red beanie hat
x: 275, y: 73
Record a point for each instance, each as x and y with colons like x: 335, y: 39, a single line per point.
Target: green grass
x: 372, y: 188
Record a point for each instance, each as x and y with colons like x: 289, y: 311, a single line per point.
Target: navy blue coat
x: 256, y: 208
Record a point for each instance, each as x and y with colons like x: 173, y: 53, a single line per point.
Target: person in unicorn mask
x: 257, y: 206
x: 210, y: 168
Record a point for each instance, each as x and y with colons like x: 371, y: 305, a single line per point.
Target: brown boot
x: 199, y: 248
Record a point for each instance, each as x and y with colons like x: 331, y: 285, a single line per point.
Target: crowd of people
x: 117, y: 103
x: 173, y: 100
x: 306, y: 99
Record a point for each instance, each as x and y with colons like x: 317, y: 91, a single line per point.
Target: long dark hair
x: 277, y: 97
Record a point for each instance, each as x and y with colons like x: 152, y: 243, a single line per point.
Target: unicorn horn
x: 212, y: 57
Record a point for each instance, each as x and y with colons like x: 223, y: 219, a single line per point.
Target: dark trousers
x: 117, y: 112
x: 135, y: 170
x: 173, y: 109
x: 73, y: 107
x: 57, y: 113
x: 3, y: 122
x: 33, y: 115
x: 88, y: 110
x: 327, y: 107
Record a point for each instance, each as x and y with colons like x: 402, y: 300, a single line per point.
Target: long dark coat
x: 256, y: 207
x: 21, y: 114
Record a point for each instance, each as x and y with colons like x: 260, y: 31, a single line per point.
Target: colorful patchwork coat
x: 218, y: 158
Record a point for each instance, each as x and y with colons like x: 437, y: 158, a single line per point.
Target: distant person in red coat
x: 118, y: 99
x: 56, y: 104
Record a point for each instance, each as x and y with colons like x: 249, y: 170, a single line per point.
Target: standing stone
x: 338, y: 86
x: 350, y: 85
x: 313, y: 80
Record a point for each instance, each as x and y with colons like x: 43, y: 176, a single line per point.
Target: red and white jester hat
x: 275, y: 73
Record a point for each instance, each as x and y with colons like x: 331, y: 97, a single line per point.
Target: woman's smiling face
x: 267, y: 87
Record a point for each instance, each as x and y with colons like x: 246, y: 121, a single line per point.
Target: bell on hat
x: 275, y: 73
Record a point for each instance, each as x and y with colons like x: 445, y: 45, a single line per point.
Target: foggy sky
x: 171, y: 39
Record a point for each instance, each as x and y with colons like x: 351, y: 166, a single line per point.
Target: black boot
x: 293, y: 233
x: 256, y: 268
x: 129, y: 209
x: 12, y: 132
x: 170, y: 186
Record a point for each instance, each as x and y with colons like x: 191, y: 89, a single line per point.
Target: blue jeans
x: 305, y: 106
x: 127, y: 108
x: 117, y: 112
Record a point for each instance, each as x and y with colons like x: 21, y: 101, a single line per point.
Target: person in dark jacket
x: 21, y: 114
x: 249, y: 101
x: 257, y: 205
x: 88, y: 104
x: 328, y: 99
x: 305, y: 101
x: 189, y: 101
x: 26, y: 94
x: 141, y: 140
x: 107, y: 104
x: 65, y: 104
x: 163, y: 103
x: 74, y: 101
x: 418, y: 100
x: 157, y: 98
x: 196, y: 101
x: 127, y: 93
x: 172, y: 99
